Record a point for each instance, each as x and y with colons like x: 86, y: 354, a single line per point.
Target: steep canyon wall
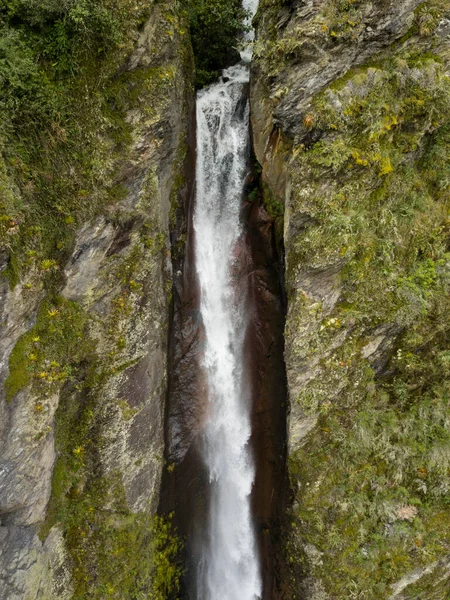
x: 350, y: 105
x: 349, y: 109
x: 84, y: 353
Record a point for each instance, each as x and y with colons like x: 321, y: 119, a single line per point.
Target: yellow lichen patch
x: 385, y: 166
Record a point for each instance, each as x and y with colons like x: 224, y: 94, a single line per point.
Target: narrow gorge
x: 226, y: 415
x: 224, y: 300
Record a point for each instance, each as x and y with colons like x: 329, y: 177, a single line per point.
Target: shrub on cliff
x: 57, y: 59
x: 215, y: 27
x: 69, y: 32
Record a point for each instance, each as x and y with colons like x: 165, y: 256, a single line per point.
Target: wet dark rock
x: 264, y: 351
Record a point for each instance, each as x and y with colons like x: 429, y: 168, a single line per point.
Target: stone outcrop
x: 327, y: 154
x: 119, y: 277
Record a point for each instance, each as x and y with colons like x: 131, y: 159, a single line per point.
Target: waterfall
x: 229, y: 567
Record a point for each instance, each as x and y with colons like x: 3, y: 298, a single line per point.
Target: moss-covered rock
x: 359, y: 94
x: 86, y: 293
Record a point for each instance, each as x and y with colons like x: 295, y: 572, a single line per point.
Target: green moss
x: 271, y: 203
x: 375, y: 476
x: 62, y: 146
x: 48, y: 354
x: 178, y: 184
x: 113, y: 551
x: 128, y: 411
x: 335, y: 22
x: 381, y: 202
x: 64, y: 102
x: 19, y: 375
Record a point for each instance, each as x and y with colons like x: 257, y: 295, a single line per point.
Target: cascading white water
x: 229, y: 568
x: 250, y: 6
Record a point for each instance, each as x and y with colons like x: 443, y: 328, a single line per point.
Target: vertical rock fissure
x: 226, y: 420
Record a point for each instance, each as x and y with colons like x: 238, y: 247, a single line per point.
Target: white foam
x: 230, y: 568
x: 251, y: 6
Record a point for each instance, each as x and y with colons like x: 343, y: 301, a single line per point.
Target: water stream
x: 229, y: 566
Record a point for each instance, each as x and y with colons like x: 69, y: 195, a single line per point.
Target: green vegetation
x: 342, y: 19
x: 49, y: 353
x: 64, y: 141
x: 375, y: 474
x: 57, y: 160
x: 379, y: 213
x: 215, y: 28
x: 338, y: 22
x: 384, y: 212
x: 381, y: 457
x: 371, y: 482
x: 62, y: 110
x: 114, y: 552
x: 271, y: 203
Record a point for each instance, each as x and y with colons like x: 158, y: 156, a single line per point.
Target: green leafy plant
x: 215, y: 27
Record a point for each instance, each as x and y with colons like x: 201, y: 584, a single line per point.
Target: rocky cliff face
x: 84, y: 357
x: 349, y: 112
